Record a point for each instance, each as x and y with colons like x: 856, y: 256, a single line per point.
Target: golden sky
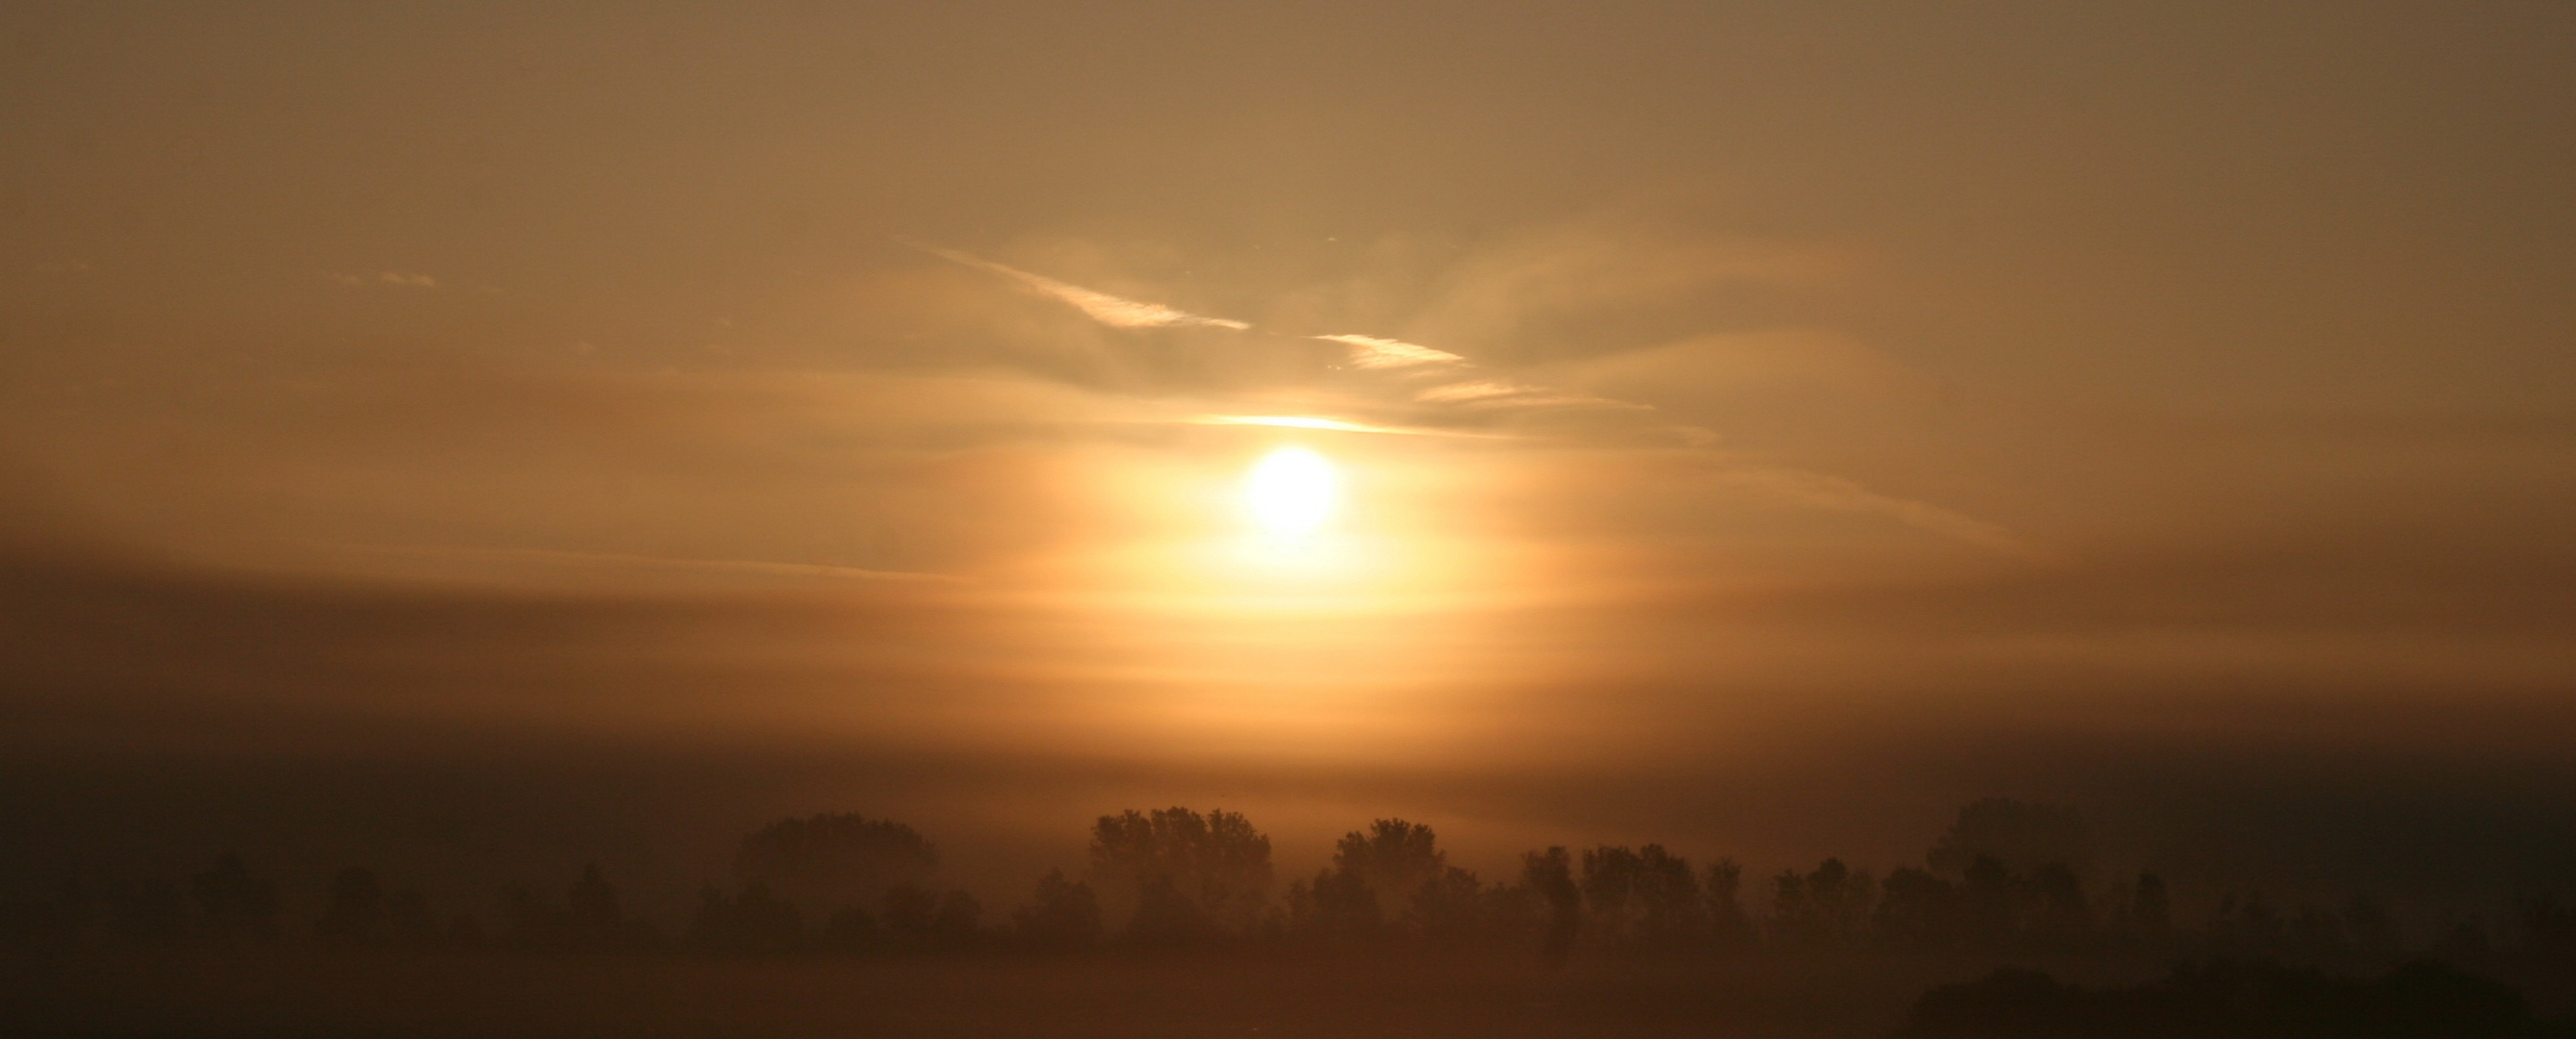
x: 1749, y: 426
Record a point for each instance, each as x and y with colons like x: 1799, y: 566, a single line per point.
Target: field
x: 309, y: 993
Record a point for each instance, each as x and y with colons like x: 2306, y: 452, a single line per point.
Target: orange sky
x: 1758, y: 427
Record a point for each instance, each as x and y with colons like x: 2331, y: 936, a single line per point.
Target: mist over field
x: 1765, y: 519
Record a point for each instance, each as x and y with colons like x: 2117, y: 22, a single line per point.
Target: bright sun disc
x: 1290, y: 491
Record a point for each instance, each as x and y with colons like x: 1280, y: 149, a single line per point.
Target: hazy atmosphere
x: 476, y: 441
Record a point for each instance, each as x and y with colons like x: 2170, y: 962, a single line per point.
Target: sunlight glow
x: 1295, y: 422
x: 1290, y: 492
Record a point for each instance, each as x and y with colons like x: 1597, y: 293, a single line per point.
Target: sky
x: 559, y: 429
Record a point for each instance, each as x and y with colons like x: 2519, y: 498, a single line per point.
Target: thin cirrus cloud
x: 1374, y: 352
x: 1498, y: 393
x: 1812, y: 489
x: 1114, y: 311
x: 395, y: 278
x: 622, y: 561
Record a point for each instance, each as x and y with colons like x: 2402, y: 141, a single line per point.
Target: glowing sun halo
x: 1290, y: 491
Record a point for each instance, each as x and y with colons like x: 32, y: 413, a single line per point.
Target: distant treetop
x: 828, y: 862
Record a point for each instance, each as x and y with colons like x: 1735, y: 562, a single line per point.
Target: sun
x: 1290, y: 492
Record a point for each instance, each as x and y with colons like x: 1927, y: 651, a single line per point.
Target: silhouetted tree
x: 1165, y: 918
x: 1062, y: 916
x: 753, y: 922
x: 232, y: 902
x: 1394, y: 858
x: 851, y: 929
x: 2058, y: 909
x: 2020, y: 837
x: 1216, y: 862
x: 2151, y: 907
x: 355, y: 913
x: 596, y: 919
x: 1337, y: 905
x: 2369, y: 924
x: 1454, y: 908
x: 1727, y: 922
x: 1917, y: 909
x: 1989, y: 898
x: 958, y: 922
x: 827, y: 862
x: 1827, y: 904
x: 592, y: 918
x: 1645, y: 897
x: 2249, y: 923
x: 1549, y: 875
x: 908, y: 912
x: 917, y: 920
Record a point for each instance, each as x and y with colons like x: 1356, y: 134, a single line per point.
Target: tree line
x: 2007, y: 877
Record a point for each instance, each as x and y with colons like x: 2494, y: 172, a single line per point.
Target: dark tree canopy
x: 1394, y: 858
x: 1216, y: 864
x: 1646, y: 896
x: 829, y: 862
x: 1062, y: 915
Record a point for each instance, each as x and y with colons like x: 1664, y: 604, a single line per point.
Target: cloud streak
x: 1819, y: 490
x: 1373, y: 352
x: 1396, y: 356
x: 1499, y: 393
x: 398, y: 279
x: 1114, y: 311
x: 613, y: 560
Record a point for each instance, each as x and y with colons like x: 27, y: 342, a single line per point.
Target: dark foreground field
x: 312, y: 994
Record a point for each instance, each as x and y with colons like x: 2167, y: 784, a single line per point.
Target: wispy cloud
x: 1397, y: 357
x: 1330, y: 424
x: 1819, y: 490
x: 1373, y: 352
x: 396, y: 278
x: 1495, y: 392
x: 1114, y: 311
x: 751, y: 567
